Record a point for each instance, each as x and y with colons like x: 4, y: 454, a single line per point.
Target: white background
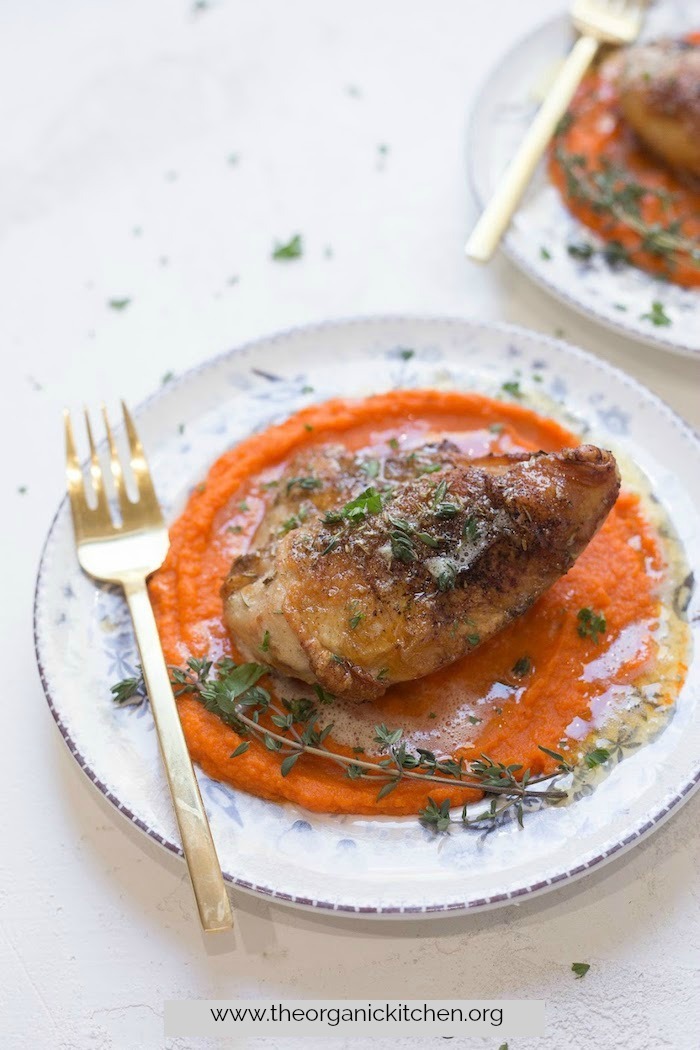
x: 118, y: 121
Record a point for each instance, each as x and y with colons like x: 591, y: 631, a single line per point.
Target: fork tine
x: 139, y: 463
x: 101, y: 511
x: 125, y: 504
x: 74, y: 478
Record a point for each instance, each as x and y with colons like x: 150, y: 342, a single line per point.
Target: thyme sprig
x: 611, y: 189
x: 292, y: 728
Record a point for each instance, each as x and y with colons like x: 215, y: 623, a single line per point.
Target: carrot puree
x: 595, y: 135
x: 473, y: 706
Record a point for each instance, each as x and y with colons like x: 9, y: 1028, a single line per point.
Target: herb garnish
x: 400, y: 539
x: 657, y: 315
x: 368, y: 502
x: 581, y: 251
x: 612, y: 189
x: 293, y: 522
x: 580, y: 969
x: 308, y: 484
x: 292, y: 728
x: 444, y: 572
x: 370, y: 467
x: 265, y: 643
x: 512, y: 387
x: 292, y: 249
x: 118, y: 304
x: 443, y: 508
x: 590, y: 624
x: 522, y: 667
x: 597, y: 757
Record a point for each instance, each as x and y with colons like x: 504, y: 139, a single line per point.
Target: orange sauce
x: 595, y: 131
x: 618, y: 575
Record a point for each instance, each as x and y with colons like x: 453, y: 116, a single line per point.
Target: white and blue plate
x: 362, y: 865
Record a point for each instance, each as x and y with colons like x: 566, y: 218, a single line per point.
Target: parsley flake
x: 657, y: 315
x: 590, y: 624
x: 292, y: 249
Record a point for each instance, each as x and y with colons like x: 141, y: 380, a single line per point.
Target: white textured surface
x: 99, y: 103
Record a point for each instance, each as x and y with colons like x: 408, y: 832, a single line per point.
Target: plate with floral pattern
x: 374, y: 866
x: 544, y: 238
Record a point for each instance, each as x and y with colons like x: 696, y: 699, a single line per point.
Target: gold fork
x: 127, y: 554
x: 598, y: 22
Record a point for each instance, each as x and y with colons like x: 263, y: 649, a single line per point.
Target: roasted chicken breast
x: 363, y: 574
x: 659, y: 88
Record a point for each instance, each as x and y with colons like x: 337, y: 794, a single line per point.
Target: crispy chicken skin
x: 660, y: 98
x: 356, y: 583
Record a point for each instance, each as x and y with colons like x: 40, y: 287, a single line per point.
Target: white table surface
x: 118, y: 121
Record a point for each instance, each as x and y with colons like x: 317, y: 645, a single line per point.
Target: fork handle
x: 197, y: 843
x: 513, y: 183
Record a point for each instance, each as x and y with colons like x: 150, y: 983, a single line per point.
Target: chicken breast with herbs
x: 659, y: 88
x: 363, y: 574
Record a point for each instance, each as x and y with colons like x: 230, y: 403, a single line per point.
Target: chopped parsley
x: 291, y: 523
x: 512, y: 387
x: 443, y: 508
x: 308, y: 484
x: 368, y: 502
x: 657, y: 315
x: 590, y: 624
x: 580, y: 969
x: 583, y: 250
x: 292, y: 249
x: 402, y: 548
x: 118, y: 304
x: 323, y: 696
